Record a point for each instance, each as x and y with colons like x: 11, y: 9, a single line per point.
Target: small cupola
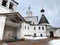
x: 29, y: 12
x: 43, y: 19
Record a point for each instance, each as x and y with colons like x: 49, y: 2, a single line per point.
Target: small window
x: 11, y: 5
x: 25, y: 27
x: 4, y: 2
x: 39, y: 28
x: 34, y: 28
x: 28, y: 27
x: 42, y: 28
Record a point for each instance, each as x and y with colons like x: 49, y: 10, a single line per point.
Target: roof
x: 43, y: 20
x: 15, y: 2
x: 32, y: 17
x: 15, y: 16
x: 55, y: 28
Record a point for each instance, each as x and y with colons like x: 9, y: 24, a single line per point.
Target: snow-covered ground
x: 55, y: 42
x: 35, y: 38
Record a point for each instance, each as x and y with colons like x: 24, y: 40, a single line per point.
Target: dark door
x: 34, y: 34
x: 51, y: 34
x: 41, y: 35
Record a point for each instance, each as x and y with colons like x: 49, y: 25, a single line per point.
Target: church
x: 14, y: 26
x: 38, y: 28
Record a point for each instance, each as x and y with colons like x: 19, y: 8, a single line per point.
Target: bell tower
x: 7, y: 6
x: 29, y: 12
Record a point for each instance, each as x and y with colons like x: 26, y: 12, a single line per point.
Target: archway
x: 51, y: 34
x: 41, y: 35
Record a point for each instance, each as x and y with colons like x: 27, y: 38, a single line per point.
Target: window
x: 11, y: 5
x: 39, y: 28
x: 25, y: 27
x: 4, y: 2
x: 34, y: 28
x: 42, y: 28
x: 28, y: 27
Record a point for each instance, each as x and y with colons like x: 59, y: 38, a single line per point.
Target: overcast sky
x: 52, y: 9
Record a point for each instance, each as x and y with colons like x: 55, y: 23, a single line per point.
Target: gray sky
x: 52, y: 9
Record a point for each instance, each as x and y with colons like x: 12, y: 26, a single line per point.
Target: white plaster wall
x: 48, y: 34
x: 25, y: 31
x: 33, y: 19
x: 6, y: 9
x: 38, y: 32
x: 2, y: 24
x: 57, y: 33
x: 22, y: 31
x: 0, y: 2
x: 3, y: 10
x: 31, y: 31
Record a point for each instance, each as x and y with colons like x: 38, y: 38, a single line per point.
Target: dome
x: 29, y: 12
x: 42, y: 10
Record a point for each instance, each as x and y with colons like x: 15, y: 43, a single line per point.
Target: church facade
x: 14, y: 26
x: 34, y: 28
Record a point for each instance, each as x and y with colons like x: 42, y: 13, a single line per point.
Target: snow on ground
x: 35, y: 38
x: 55, y: 42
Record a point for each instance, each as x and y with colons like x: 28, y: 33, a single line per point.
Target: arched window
x: 11, y: 5
x: 4, y: 2
x: 42, y: 28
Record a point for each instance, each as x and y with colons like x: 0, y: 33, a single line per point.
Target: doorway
x: 51, y: 34
x: 34, y: 34
x: 41, y: 35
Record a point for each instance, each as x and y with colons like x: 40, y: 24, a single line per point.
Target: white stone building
x: 14, y: 26
x: 10, y: 20
x: 34, y: 28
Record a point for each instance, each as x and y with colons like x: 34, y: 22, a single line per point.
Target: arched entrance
x: 41, y: 35
x: 51, y: 34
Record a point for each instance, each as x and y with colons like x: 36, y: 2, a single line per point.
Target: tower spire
x: 43, y: 18
x: 29, y: 7
x: 29, y: 12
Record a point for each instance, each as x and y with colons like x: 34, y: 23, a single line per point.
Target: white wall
x: 57, y: 33
x: 31, y: 30
x: 2, y: 24
x: 0, y: 2
x: 6, y: 9
x: 3, y: 10
x: 33, y: 19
